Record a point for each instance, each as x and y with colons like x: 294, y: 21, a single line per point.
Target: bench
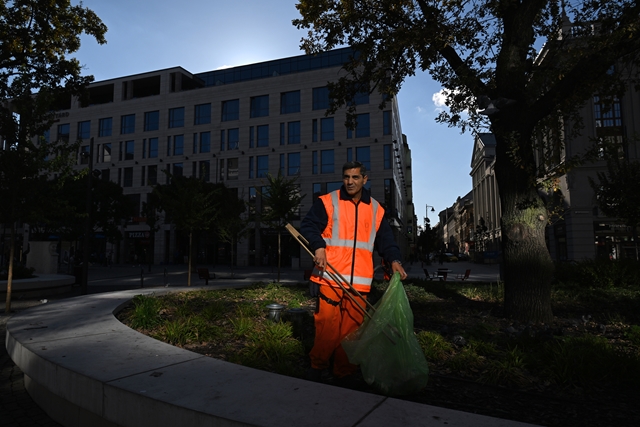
x: 203, y: 273
x: 430, y: 276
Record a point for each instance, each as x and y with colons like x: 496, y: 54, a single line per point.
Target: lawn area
x: 582, y: 370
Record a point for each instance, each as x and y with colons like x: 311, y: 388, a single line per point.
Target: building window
x: 128, y: 177
x: 176, y: 117
x: 151, y: 120
x: 232, y: 169
x: 106, y: 153
x: 178, y: 145
x: 314, y: 162
x: 204, y: 168
x: 205, y: 142
x: 84, y: 129
x: 293, y: 133
x: 607, y: 112
x: 362, y: 126
x: 230, y: 110
x: 104, y: 126
x: 263, y: 136
x: 251, y: 137
x: 250, y: 167
x: 202, y: 114
x: 363, y: 155
x: 84, y: 155
x: 320, y: 98
x: 388, y: 198
x: 281, y: 133
x: 333, y: 186
x: 128, y: 150
x: 314, y: 130
x: 326, y: 129
x: 127, y: 124
x: 262, y: 166
x: 326, y: 161
x: 386, y: 122
x: 293, y: 164
x: 259, y: 106
x: 233, y: 138
x: 386, y: 156
x: 153, y: 148
x: 63, y: 132
x: 281, y: 170
x: 152, y: 175
x: 178, y: 169
x: 361, y: 97
x: 290, y: 102
x: 317, y: 190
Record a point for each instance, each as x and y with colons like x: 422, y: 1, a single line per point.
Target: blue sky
x: 204, y: 35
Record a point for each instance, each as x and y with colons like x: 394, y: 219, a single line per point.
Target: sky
x: 204, y: 35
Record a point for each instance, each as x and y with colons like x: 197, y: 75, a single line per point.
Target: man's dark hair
x: 355, y: 165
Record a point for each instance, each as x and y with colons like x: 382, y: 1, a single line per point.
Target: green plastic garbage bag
x: 386, y: 347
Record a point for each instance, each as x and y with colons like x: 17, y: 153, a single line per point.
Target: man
x: 343, y: 228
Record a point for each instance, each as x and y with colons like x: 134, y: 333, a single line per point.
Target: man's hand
x: 321, y: 258
x: 396, y: 266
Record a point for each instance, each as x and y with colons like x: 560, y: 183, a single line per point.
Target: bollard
x: 166, y: 278
x: 274, y: 311
x: 141, y: 277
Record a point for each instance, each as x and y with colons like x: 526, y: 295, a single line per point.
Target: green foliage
x: 435, y: 347
x: 146, y: 312
x: 633, y: 334
x: 600, y: 273
x: 588, y: 360
x: 190, y: 203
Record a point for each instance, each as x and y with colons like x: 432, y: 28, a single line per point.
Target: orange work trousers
x: 333, y: 323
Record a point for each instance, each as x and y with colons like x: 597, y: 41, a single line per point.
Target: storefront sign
x: 138, y: 235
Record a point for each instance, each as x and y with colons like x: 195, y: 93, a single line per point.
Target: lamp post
x: 426, y: 217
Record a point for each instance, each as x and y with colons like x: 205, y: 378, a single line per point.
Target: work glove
x: 314, y: 289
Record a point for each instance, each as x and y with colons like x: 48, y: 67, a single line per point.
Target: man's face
x: 354, y: 181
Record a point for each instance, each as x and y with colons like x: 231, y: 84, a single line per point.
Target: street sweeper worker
x: 343, y: 229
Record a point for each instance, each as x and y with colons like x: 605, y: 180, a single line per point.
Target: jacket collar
x: 365, y: 198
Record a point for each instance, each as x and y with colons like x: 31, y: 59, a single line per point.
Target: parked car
x: 449, y: 257
x: 463, y: 257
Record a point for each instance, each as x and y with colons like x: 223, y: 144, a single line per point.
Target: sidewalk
x: 17, y: 407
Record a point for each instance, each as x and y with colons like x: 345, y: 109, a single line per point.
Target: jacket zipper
x: 355, y: 242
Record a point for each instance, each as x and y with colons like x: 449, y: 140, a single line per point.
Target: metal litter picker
x: 390, y: 331
x: 385, y: 345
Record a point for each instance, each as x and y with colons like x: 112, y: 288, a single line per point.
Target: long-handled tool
x: 337, y: 277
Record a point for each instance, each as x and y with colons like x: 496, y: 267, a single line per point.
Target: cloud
x: 439, y: 98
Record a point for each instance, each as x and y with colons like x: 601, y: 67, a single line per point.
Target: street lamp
x: 426, y: 217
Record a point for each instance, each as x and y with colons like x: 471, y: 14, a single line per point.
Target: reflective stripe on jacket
x: 350, y: 235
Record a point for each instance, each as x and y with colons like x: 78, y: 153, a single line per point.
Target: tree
x: 190, y: 203
x: 231, y: 226
x: 35, y: 75
x: 151, y: 211
x: 617, y: 193
x: 280, y: 205
x: 486, y: 55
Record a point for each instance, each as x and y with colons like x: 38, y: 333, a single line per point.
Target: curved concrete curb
x: 85, y: 368
x: 41, y: 285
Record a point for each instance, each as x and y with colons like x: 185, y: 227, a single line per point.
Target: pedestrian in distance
x: 343, y: 229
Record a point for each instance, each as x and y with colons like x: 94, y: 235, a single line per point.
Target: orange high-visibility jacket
x: 350, y: 235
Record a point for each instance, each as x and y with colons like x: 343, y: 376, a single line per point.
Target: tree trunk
x: 189, y: 258
x: 527, y: 265
x: 12, y: 250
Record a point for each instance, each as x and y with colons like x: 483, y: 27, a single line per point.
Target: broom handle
x: 304, y: 242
